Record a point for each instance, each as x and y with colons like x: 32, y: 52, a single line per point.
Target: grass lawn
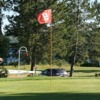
x: 46, y: 89
x: 82, y: 86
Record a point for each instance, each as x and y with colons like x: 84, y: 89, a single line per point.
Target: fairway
x: 55, y: 89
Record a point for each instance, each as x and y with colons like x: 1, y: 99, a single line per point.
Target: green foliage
x: 28, y: 29
x: 15, y: 64
x: 59, y: 62
x: 1, y: 5
x: 4, y: 46
x: 88, y: 64
x: 4, y: 42
x: 74, y: 38
x: 93, y: 37
x: 3, y: 72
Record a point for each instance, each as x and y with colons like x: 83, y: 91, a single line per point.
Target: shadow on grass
x: 87, y: 71
x: 52, y: 96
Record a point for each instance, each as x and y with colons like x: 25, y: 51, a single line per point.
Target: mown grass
x: 82, y: 86
x: 78, y: 71
x: 46, y: 89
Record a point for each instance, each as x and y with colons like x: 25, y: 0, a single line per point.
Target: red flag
x: 45, y: 17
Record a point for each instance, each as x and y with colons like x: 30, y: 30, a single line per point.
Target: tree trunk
x: 75, y: 48
x: 33, y: 58
x: 73, y: 61
x: 33, y: 61
x: 72, y: 65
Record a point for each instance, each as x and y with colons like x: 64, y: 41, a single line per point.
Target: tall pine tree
x: 94, y: 33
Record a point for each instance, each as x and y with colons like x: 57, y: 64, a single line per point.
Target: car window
x: 60, y: 70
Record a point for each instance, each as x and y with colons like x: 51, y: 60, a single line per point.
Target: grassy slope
x: 46, y: 89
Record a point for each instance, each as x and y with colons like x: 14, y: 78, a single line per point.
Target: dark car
x: 61, y: 72
x: 55, y: 72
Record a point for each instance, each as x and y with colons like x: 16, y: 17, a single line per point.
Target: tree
x: 26, y: 27
x: 1, y: 5
x: 94, y: 37
x: 76, y: 29
x: 4, y: 46
x: 70, y: 30
x: 4, y: 42
x: 70, y: 25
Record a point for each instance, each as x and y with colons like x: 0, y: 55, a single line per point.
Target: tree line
x: 75, y: 28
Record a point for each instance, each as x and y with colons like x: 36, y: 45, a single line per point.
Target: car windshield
x: 60, y: 70
x: 48, y: 70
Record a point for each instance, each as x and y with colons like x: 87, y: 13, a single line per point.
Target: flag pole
x: 43, y: 18
x: 50, y: 55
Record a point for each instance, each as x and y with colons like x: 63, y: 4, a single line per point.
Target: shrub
x: 86, y: 64
x: 3, y: 72
x: 59, y: 62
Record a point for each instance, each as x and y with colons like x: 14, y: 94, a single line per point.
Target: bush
x: 13, y: 64
x: 3, y: 72
x: 59, y: 62
x: 88, y: 64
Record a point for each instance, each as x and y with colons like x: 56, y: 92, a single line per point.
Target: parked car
x: 54, y: 72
